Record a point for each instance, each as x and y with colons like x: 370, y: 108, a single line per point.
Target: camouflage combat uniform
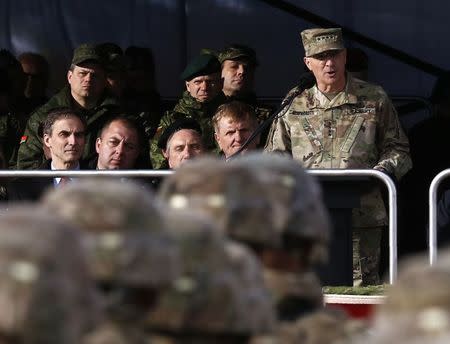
x: 31, y: 154
x: 188, y: 107
x: 358, y: 128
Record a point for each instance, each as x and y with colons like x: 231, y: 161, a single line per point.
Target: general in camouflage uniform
x: 202, y: 97
x: 271, y: 204
x: 342, y: 122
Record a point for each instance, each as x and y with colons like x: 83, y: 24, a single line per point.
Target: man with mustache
x: 343, y: 122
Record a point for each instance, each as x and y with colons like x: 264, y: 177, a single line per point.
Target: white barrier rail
x: 432, y: 205
x: 392, y: 191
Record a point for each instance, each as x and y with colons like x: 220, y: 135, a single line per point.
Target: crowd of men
x: 227, y: 250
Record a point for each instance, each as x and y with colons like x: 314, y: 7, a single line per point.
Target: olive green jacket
x: 31, y: 154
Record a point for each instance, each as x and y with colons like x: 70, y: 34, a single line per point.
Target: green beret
x: 179, y: 124
x: 86, y: 52
x: 204, y: 64
x: 238, y: 52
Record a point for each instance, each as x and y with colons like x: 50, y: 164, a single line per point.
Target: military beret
x: 86, y: 52
x: 316, y: 41
x: 238, y: 52
x: 179, y: 124
x: 204, y: 64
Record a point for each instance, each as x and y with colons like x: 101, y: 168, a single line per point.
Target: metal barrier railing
x: 392, y: 192
x: 432, y: 204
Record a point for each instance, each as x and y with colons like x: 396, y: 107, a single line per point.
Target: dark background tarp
x: 176, y: 30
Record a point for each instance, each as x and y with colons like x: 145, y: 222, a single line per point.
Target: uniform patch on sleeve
x: 23, y: 139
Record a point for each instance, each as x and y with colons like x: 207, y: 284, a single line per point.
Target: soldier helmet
x: 220, y: 291
x: 124, y: 231
x: 45, y: 293
x: 231, y: 194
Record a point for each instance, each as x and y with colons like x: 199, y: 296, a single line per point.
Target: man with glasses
x: 342, y: 122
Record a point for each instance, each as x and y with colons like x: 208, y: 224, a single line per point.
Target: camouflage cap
x: 316, y: 41
x: 238, y: 52
x: 220, y: 289
x: 125, y: 233
x: 87, y: 52
x: 45, y: 291
x: 203, y: 64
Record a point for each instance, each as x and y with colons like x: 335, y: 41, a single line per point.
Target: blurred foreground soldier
x: 272, y: 205
x: 37, y: 73
x: 325, y: 326
x: 181, y: 141
x: 234, y: 123
x: 220, y: 296
x: 45, y: 292
x: 130, y: 253
x: 202, y: 97
x: 85, y: 92
x: 342, y: 122
x: 417, y: 308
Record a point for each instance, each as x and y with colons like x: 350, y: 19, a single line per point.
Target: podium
x: 340, y: 196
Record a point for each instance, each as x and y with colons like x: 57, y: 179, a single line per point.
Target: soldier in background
x: 202, y: 97
x: 85, y: 92
x: 342, y: 122
x: 130, y: 253
x: 45, y: 291
x: 37, y: 73
x: 270, y: 204
x: 239, y: 64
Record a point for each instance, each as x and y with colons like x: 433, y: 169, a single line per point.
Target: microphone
x: 307, y: 80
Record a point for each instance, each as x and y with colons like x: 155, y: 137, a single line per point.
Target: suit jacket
x: 31, y: 189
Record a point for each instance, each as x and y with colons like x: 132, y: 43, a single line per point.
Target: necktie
x: 63, y: 181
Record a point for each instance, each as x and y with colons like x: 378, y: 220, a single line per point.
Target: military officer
x: 199, y: 101
x: 342, y: 122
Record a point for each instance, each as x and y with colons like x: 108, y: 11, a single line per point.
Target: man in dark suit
x: 64, y: 134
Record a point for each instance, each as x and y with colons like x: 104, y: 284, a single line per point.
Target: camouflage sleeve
x: 279, y: 138
x: 31, y: 154
x: 392, y: 142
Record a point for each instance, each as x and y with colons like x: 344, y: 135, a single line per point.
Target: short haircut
x: 129, y: 123
x: 38, y: 60
x: 236, y: 111
x: 58, y: 114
